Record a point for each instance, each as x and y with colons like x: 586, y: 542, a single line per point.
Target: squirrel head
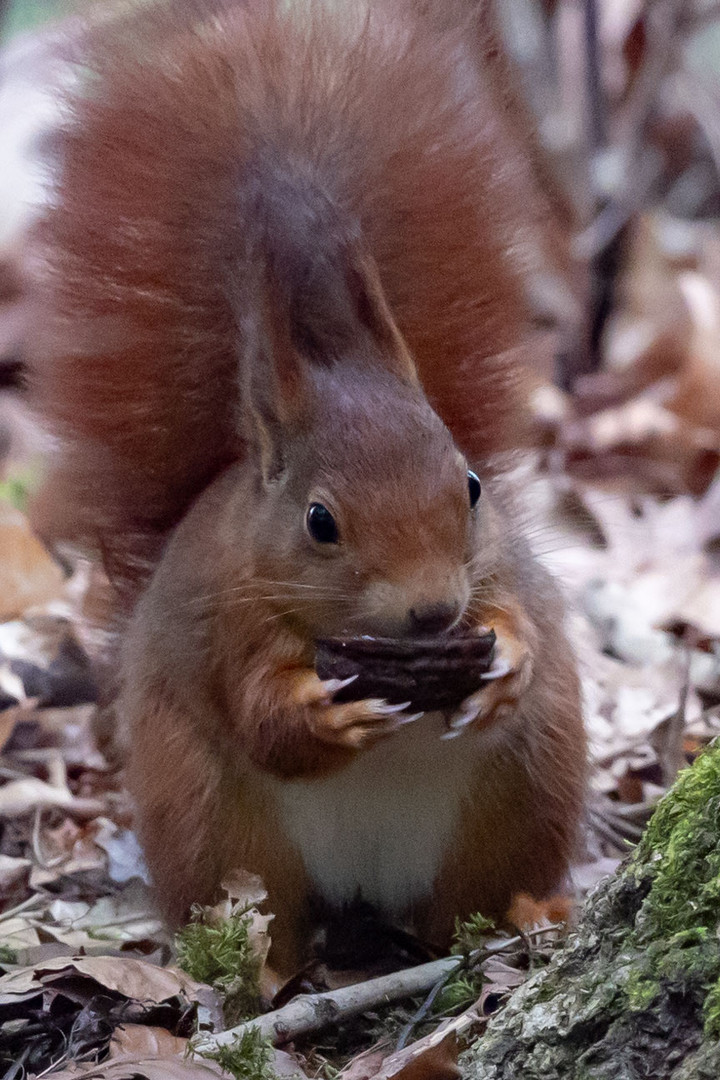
x: 366, y: 512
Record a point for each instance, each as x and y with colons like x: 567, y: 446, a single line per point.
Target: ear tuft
x: 273, y: 380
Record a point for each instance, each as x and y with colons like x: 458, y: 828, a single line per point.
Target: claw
x: 333, y: 686
x: 409, y: 719
x: 499, y: 670
x: 382, y: 708
x: 463, y: 719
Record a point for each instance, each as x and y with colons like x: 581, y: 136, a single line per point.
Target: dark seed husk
x: 431, y: 673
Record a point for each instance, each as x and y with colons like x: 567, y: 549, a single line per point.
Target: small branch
x: 605, y: 229
x: 313, y: 1012
x: 672, y: 758
x: 661, y: 53
x: 423, y: 1011
x: 692, y: 21
x: 25, y: 905
x: 597, y: 115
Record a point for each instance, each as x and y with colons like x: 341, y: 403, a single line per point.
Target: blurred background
x: 623, y: 96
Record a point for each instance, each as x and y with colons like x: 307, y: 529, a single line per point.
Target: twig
x: 692, y: 21
x: 40, y: 858
x: 29, y: 902
x: 606, y: 227
x: 424, y: 1009
x: 672, y: 758
x: 459, y: 1028
x: 597, y: 113
x: 663, y: 23
x: 313, y: 1012
x: 701, y: 100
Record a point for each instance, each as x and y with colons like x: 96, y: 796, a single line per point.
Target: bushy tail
x: 134, y: 348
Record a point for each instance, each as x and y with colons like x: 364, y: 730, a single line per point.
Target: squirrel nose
x: 433, y: 618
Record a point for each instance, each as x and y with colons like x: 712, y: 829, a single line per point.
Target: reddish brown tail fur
x: 134, y: 346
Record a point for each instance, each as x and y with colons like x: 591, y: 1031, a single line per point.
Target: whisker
x: 280, y: 615
x: 231, y: 595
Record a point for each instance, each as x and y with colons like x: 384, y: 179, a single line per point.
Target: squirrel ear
x: 337, y: 307
x: 374, y: 314
x: 274, y: 386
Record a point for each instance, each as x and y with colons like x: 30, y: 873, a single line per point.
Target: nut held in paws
x: 431, y: 673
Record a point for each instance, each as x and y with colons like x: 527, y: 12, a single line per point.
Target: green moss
x: 458, y: 994
x: 7, y: 955
x: 711, y: 1011
x: 247, y: 1058
x: 641, y: 991
x: 682, y: 844
x: 471, y: 934
x: 675, y: 931
x: 219, y: 952
x: 463, y: 988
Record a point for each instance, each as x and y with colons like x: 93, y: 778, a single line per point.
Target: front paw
x: 353, y: 725
x: 503, y: 686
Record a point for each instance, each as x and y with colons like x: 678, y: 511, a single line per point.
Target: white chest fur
x: 380, y: 828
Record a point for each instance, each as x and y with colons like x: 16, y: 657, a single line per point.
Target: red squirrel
x: 281, y: 332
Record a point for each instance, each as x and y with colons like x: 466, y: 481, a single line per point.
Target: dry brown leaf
x: 28, y: 576
x: 284, y: 1064
x: 708, y: 514
x: 431, y: 1058
x: 245, y: 891
x: 8, y: 720
x: 81, y: 856
x: 367, y: 1064
x: 144, y: 1068
x: 22, y: 796
x: 646, y: 444
x: 135, y: 979
x: 68, y: 730
x: 501, y: 979
x: 701, y: 608
x: 17, y: 984
x: 245, y: 888
x: 697, y: 394
x: 140, y: 1040
x: 662, y: 350
x: 18, y: 933
x: 128, y: 915
x: 13, y: 872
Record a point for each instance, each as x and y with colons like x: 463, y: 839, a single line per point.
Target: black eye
x: 321, y: 524
x: 473, y: 488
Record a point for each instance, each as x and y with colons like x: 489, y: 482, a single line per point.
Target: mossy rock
x: 635, y: 991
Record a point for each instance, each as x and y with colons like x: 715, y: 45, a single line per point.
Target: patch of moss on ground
x: 219, y: 952
x: 247, y: 1058
x: 471, y: 934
